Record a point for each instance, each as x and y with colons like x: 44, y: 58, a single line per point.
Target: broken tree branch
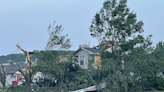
x: 27, y: 54
x: 21, y: 48
x: 28, y: 73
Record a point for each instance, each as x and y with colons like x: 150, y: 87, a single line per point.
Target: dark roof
x: 76, y: 51
x: 96, y: 49
x: 10, y: 69
x: 93, y: 50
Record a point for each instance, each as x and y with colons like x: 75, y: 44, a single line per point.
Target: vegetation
x: 131, y: 64
x: 115, y: 24
x: 130, y: 51
x: 21, y: 57
x: 3, y: 77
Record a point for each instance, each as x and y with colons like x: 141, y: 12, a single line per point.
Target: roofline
x: 87, y: 50
x: 84, y: 50
x: 97, y: 53
x: 76, y: 51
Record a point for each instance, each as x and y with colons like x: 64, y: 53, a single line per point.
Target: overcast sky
x: 26, y: 21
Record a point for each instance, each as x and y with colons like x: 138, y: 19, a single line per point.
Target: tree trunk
x: 3, y: 77
x: 4, y: 85
x: 28, y: 83
x: 98, y: 80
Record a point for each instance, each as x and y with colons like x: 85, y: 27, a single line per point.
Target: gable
x: 94, y: 50
x: 82, y: 52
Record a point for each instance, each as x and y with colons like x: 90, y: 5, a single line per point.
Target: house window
x: 82, y: 60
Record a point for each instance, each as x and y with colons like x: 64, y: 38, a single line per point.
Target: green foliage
x: 147, y: 68
x: 56, y: 39
x: 68, y: 75
x: 21, y: 57
x: 115, y: 24
x: 13, y: 57
x: 116, y: 82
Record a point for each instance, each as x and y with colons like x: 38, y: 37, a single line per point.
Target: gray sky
x: 26, y: 21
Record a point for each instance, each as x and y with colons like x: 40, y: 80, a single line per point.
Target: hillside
x: 21, y: 57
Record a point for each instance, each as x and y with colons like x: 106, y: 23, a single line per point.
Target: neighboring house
x: 64, y: 58
x: 11, y: 72
x: 84, y: 54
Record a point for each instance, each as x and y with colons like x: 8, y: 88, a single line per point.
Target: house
x: 85, y: 53
x: 11, y: 72
x: 64, y: 58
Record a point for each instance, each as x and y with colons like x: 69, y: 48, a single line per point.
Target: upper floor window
x: 82, y: 60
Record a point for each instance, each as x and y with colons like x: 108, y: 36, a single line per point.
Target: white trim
x: 83, y: 59
x: 87, y: 51
x: 96, y: 53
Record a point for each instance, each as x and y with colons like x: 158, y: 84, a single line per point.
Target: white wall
x: 83, y: 53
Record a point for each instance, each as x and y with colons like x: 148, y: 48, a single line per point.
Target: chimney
x: 83, y: 46
x: 97, y: 48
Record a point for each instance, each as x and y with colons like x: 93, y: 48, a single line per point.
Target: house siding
x: 83, y: 53
x: 64, y: 59
x: 97, y: 60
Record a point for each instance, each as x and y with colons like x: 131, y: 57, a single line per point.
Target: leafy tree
x: 147, y: 68
x: 157, y: 57
x: 68, y: 75
x: 50, y: 63
x: 115, y: 24
x: 61, y: 76
x: 56, y: 39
